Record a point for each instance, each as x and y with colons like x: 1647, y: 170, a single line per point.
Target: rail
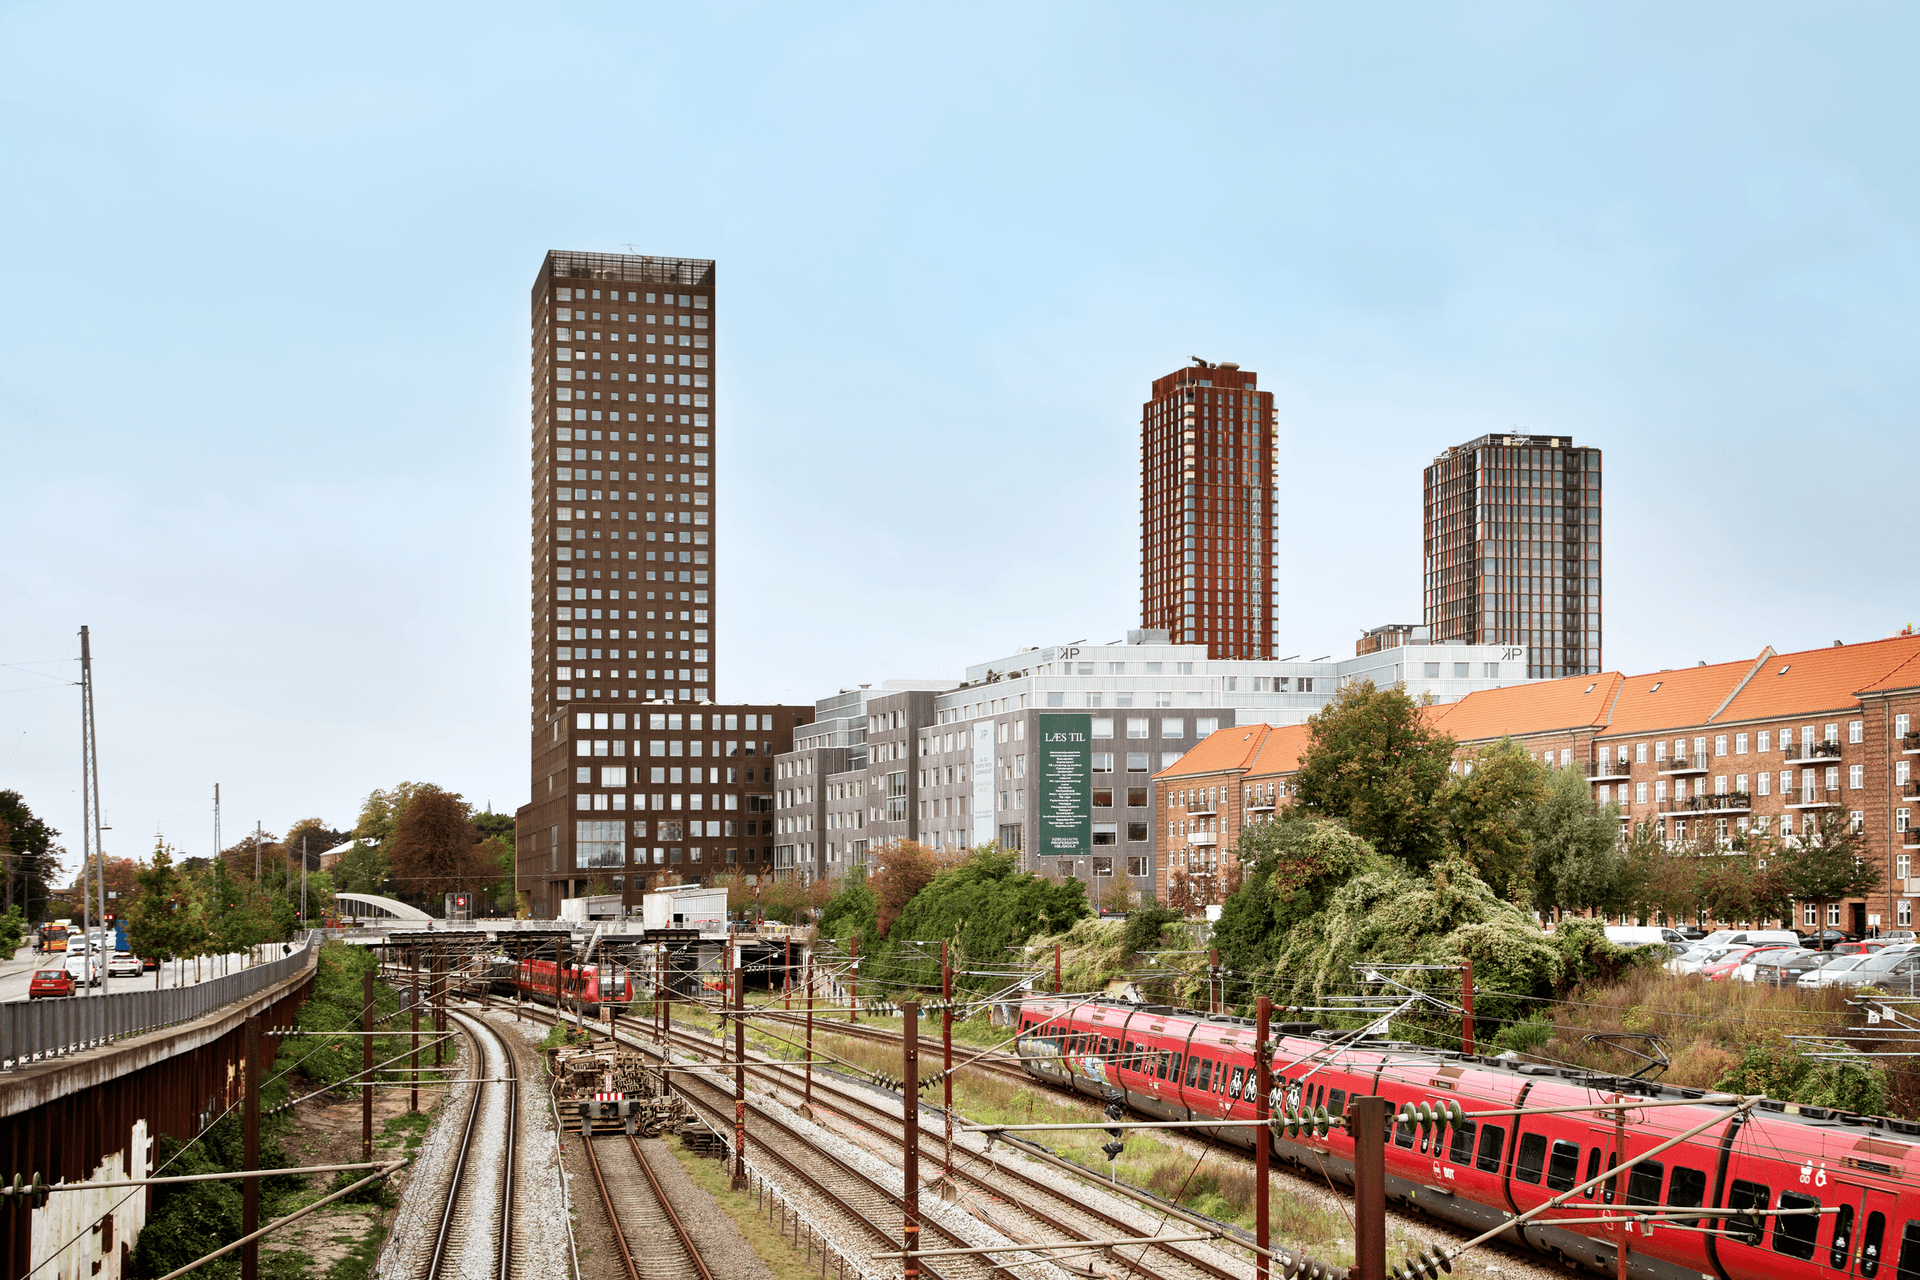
x: 37, y: 1030
x: 1812, y: 751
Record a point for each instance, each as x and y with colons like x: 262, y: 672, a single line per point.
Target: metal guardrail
x: 36, y: 1030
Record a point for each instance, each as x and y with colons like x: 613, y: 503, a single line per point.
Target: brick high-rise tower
x: 1206, y: 510
x: 1512, y: 550
x: 636, y: 772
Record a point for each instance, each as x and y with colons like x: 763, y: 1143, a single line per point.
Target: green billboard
x: 1066, y: 786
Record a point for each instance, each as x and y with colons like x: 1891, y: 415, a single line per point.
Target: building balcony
x: 1811, y: 799
x: 1608, y: 772
x: 1734, y: 802
x: 1811, y: 751
x: 1910, y: 743
x: 1202, y: 811
x: 1204, y: 839
x: 1910, y: 839
x: 1260, y: 806
x: 1910, y: 793
x: 1682, y: 765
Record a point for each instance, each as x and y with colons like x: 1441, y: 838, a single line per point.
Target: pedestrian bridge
x: 367, y: 906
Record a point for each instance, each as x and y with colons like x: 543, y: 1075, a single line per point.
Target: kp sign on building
x: 1066, y: 786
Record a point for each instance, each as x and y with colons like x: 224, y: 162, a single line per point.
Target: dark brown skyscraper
x: 1512, y: 550
x: 1206, y: 510
x: 635, y: 772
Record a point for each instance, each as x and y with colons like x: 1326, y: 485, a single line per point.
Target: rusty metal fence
x: 35, y: 1030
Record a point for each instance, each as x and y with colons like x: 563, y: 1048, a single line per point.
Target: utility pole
x: 216, y: 820
x: 90, y: 816
x: 740, y: 1076
x: 910, y: 1141
x: 303, y: 884
x: 256, y: 852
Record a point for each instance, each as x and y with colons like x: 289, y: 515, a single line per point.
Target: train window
x: 1613, y: 1160
x: 1173, y: 1068
x: 1842, y: 1237
x: 1643, y: 1182
x: 1320, y: 1098
x: 1688, y: 1190
x: 1492, y: 1138
x: 1460, y: 1151
x: 1531, y: 1160
x: 1206, y: 1075
x: 1239, y: 1077
x: 1793, y: 1234
x: 1563, y: 1166
x: 1338, y: 1105
x: 1909, y: 1266
x: 1193, y: 1071
x: 1403, y: 1135
x: 1593, y: 1170
x: 1870, y: 1241
x: 1752, y: 1195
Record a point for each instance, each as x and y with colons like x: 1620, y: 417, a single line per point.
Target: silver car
x: 1702, y: 955
x: 1833, y: 973
x: 1895, y: 969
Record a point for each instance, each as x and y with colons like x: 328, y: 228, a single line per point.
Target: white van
x: 1629, y: 935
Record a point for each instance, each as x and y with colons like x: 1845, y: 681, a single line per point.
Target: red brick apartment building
x: 1206, y: 510
x: 1765, y: 745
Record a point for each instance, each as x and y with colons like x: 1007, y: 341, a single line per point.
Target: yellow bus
x: 53, y: 936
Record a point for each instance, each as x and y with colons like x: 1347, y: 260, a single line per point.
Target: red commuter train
x: 591, y: 985
x: 1180, y: 1064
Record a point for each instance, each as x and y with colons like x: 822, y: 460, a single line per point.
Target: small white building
x: 586, y: 910
x: 685, y: 907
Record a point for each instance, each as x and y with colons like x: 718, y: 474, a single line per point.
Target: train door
x: 1857, y: 1239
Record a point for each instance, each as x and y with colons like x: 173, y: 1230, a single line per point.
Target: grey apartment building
x: 637, y: 773
x: 953, y: 764
x: 1512, y: 549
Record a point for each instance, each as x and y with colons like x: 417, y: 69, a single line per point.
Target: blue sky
x: 263, y: 382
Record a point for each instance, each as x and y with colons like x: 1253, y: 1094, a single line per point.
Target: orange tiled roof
x: 1281, y: 752
x: 1904, y: 676
x: 1675, y: 699
x: 1576, y: 702
x: 1820, y: 679
x: 1223, y: 751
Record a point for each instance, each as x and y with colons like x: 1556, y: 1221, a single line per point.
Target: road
x: 16, y: 973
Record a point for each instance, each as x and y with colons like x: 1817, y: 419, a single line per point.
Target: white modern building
x: 951, y: 763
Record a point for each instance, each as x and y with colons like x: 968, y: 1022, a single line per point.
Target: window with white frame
x: 1833, y: 914
x: 1902, y: 770
x: 1856, y: 730
x: 1903, y: 913
x: 1856, y: 821
x: 1720, y: 744
x: 1856, y: 776
x: 1832, y: 734
x: 1761, y: 740
x: 1900, y: 723
x: 1809, y: 916
x: 1640, y: 753
x: 1901, y: 818
x: 1902, y: 866
x: 1639, y: 793
x: 1739, y: 744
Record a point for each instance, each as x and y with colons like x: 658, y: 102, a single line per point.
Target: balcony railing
x: 1684, y: 764
x: 1608, y: 771
x: 1812, y: 751
x: 1732, y: 802
x: 1910, y: 741
x: 1810, y: 798
x: 1206, y: 838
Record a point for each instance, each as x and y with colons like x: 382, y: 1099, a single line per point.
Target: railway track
x: 1016, y: 1203
x: 475, y: 1235
x: 653, y: 1243
x: 1003, y: 1064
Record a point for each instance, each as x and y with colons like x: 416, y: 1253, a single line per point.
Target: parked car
x: 1833, y: 973
x: 125, y: 965
x: 1897, y: 935
x: 49, y: 982
x: 1628, y: 935
x: 1691, y: 932
x: 1753, y: 937
x: 1702, y: 955
x: 1821, y: 939
x: 1897, y: 968
x: 1863, y: 948
x: 1722, y: 970
x: 1786, y: 967
x: 1744, y: 971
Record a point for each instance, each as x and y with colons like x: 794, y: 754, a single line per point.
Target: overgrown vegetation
x: 190, y: 1220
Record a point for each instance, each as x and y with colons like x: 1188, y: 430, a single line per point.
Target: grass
x: 1706, y: 1027
x: 786, y: 1260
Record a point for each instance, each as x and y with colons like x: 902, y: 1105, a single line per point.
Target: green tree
x: 1291, y: 870
x: 1373, y: 761
x: 981, y: 907
x: 13, y: 931
x: 849, y: 914
x: 1487, y: 804
x: 31, y: 858
x: 361, y: 869
x: 1577, y: 860
x: 1826, y: 864
x: 159, y: 919
x: 1660, y: 877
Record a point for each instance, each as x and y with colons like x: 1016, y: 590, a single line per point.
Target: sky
x: 264, y: 421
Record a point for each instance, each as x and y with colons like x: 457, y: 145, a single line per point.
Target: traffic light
x: 1116, y: 1112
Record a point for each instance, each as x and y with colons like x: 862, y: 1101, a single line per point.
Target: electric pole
x: 90, y: 815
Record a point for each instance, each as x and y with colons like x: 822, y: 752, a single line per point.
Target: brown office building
x: 636, y: 773
x: 1512, y: 550
x: 1206, y: 510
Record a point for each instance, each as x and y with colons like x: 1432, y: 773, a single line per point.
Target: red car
x: 1857, y: 948
x: 50, y: 982
x: 1722, y: 969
